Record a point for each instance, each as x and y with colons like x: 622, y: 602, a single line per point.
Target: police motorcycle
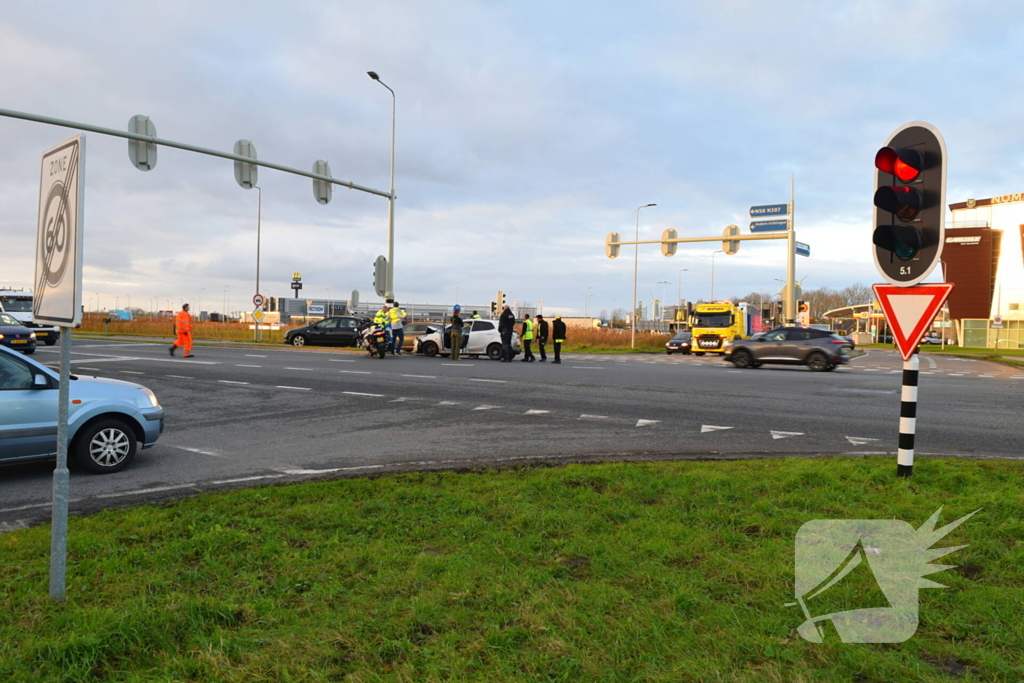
x: 375, y: 339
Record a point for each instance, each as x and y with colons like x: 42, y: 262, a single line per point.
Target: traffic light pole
x: 790, y: 303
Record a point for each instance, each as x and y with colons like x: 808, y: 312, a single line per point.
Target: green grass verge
x: 612, y: 572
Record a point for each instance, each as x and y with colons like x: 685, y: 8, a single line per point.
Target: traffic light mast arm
x: 737, y: 238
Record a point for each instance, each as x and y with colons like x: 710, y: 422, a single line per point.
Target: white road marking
x: 340, y: 360
x: 195, y: 450
x: 93, y: 369
x: 360, y: 393
x: 284, y: 386
x: 644, y: 423
x: 956, y: 374
x: 140, y: 492
x: 859, y: 441
x: 241, y: 479
x: 254, y: 355
x: 230, y: 381
x: 536, y: 412
x: 302, y: 369
x: 711, y: 428
x: 422, y: 376
x: 588, y: 367
x: 497, y: 381
x: 239, y: 365
x: 179, y: 376
x: 402, y: 399
x: 333, y: 469
x: 585, y: 416
x: 448, y: 403
x: 347, y: 372
x: 486, y: 407
x: 131, y: 372
x: 784, y: 435
x: 460, y: 365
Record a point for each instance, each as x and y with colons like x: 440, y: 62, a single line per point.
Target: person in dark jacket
x: 506, y: 326
x: 558, y: 332
x: 456, y: 332
x: 542, y: 337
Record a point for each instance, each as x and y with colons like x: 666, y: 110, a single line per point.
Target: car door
x: 769, y: 347
x: 482, y: 334
x: 28, y: 413
x: 345, y: 333
x: 324, y: 332
x: 797, y: 344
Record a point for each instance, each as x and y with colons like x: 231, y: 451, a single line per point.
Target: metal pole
x: 59, y: 513
x: 908, y: 418
x: 718, y: 251
x: 189, y: 148
x: 259, y: 220
x: 636, y: 250
x: 790, y: 303
x: 389, y: 294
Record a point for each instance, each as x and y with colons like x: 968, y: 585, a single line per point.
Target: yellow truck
x: 714, y: 324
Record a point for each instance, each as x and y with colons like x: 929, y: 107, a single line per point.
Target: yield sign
x: 911, y: 310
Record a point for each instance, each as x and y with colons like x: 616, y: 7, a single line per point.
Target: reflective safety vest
x: 380, y: 318
x: 477, y: 317
x: 182, y: 322
x: 396, y: 315
x: 527, y: 329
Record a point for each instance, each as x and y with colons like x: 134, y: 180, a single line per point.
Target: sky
x: 525, y: 133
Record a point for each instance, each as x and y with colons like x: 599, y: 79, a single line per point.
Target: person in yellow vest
x: 381, y: 316
x: 558, y: 334
x: 397, y: 318
x: 476, y: 316
x: 183, y: 329
x: 527, y: 336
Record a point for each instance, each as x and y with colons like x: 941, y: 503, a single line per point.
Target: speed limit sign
x: 258, y: 300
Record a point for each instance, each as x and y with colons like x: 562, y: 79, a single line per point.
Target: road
x: 238, y: 416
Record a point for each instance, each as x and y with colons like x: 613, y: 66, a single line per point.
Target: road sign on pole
x: 258, y: 300
x: 769, y: 210
x: 777, y: 225
x: 322, y: 189
x: 258, y: 315
x: 997, y: 322
x: 911, y: 310
x: 803, y: 249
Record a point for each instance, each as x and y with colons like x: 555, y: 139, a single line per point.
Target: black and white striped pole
x: 908, y: 417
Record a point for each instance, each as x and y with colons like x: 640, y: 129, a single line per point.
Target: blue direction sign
x: 769, y: 226
x: 803, y: 249
x: 769, y: 210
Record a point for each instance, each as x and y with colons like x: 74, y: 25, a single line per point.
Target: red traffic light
x: 902, y: 162
x: 905, y: 202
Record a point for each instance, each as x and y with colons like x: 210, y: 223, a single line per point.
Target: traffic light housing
x: 669, y: 248
x: 611, y: 245
x: 494, y: 308
x: 380, y: 275
x: 500, y: 303
x: 910, y: 201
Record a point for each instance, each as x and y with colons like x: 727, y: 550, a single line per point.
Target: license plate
x: 19, y: 341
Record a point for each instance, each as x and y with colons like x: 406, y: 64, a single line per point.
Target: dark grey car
x: 819, y: 350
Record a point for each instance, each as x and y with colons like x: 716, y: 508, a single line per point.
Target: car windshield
x: 16, y: 304
x: 8, y: 320
x: 682, y: 336
x: 712, y: 320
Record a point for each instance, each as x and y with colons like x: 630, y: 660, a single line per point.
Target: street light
x: 662, y: 301
x: 259, y: 218
x: 389, y: 295
x: 718, y: 251
x: 636, y: 250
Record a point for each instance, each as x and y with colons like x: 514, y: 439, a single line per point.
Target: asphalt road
x: 238, y: 417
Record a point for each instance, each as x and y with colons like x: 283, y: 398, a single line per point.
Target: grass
x: 612, y: 572
x: 1012, y: 357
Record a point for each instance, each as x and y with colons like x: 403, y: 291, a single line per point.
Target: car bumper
x: 152, y: 425
x: 19, y: 344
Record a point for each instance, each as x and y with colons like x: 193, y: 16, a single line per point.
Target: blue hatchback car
x: 107, y: 420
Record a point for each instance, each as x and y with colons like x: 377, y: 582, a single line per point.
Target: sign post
x: 58, y: 301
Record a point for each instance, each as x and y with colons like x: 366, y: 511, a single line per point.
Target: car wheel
x: 28, y: 352
x: 299, y: 340
x: 698, y: 353
x: 494, y: 351
x: 106, y: 446
x: 831, y: 367
x: 668, y: 352
x: 429, y: 349
x: 742, y: 359
x: 818, y: 362
x: 50, y: 342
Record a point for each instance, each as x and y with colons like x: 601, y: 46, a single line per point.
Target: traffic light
x: 669, y: 248
x: 730, y: 247
x: 910, y: 200
x: 611, y: 245
x: 380, y: 276
x: 494, y: 308
x: 500, y: 303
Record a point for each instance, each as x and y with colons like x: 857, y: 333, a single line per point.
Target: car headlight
x: 31, y: 335
x: 152, y: 397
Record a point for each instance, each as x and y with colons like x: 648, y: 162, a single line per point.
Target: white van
x: 18, y: 304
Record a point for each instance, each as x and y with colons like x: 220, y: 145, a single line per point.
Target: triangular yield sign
x: 911, y: 310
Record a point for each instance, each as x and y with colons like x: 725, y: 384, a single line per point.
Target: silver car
x: 479, y: 337
x: 819, y: 350
x: 107, y: 420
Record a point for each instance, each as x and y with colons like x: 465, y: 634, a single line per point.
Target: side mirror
x: 40, y: 381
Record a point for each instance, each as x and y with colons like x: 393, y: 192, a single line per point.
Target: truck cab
x: 715, y: 324
x: 18, y: 303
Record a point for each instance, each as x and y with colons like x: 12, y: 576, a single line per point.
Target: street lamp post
x: 661, y: 303
x: 389, y: 295
x: 98, y: 309
x: 718, y: 251
x: 586, y: 302
x: 636, y: 250
x: 259, y: 218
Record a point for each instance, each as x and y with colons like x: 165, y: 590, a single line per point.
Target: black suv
x: 819, y: 350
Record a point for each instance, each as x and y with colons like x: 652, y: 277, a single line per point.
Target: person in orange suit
x: 183, y: 328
